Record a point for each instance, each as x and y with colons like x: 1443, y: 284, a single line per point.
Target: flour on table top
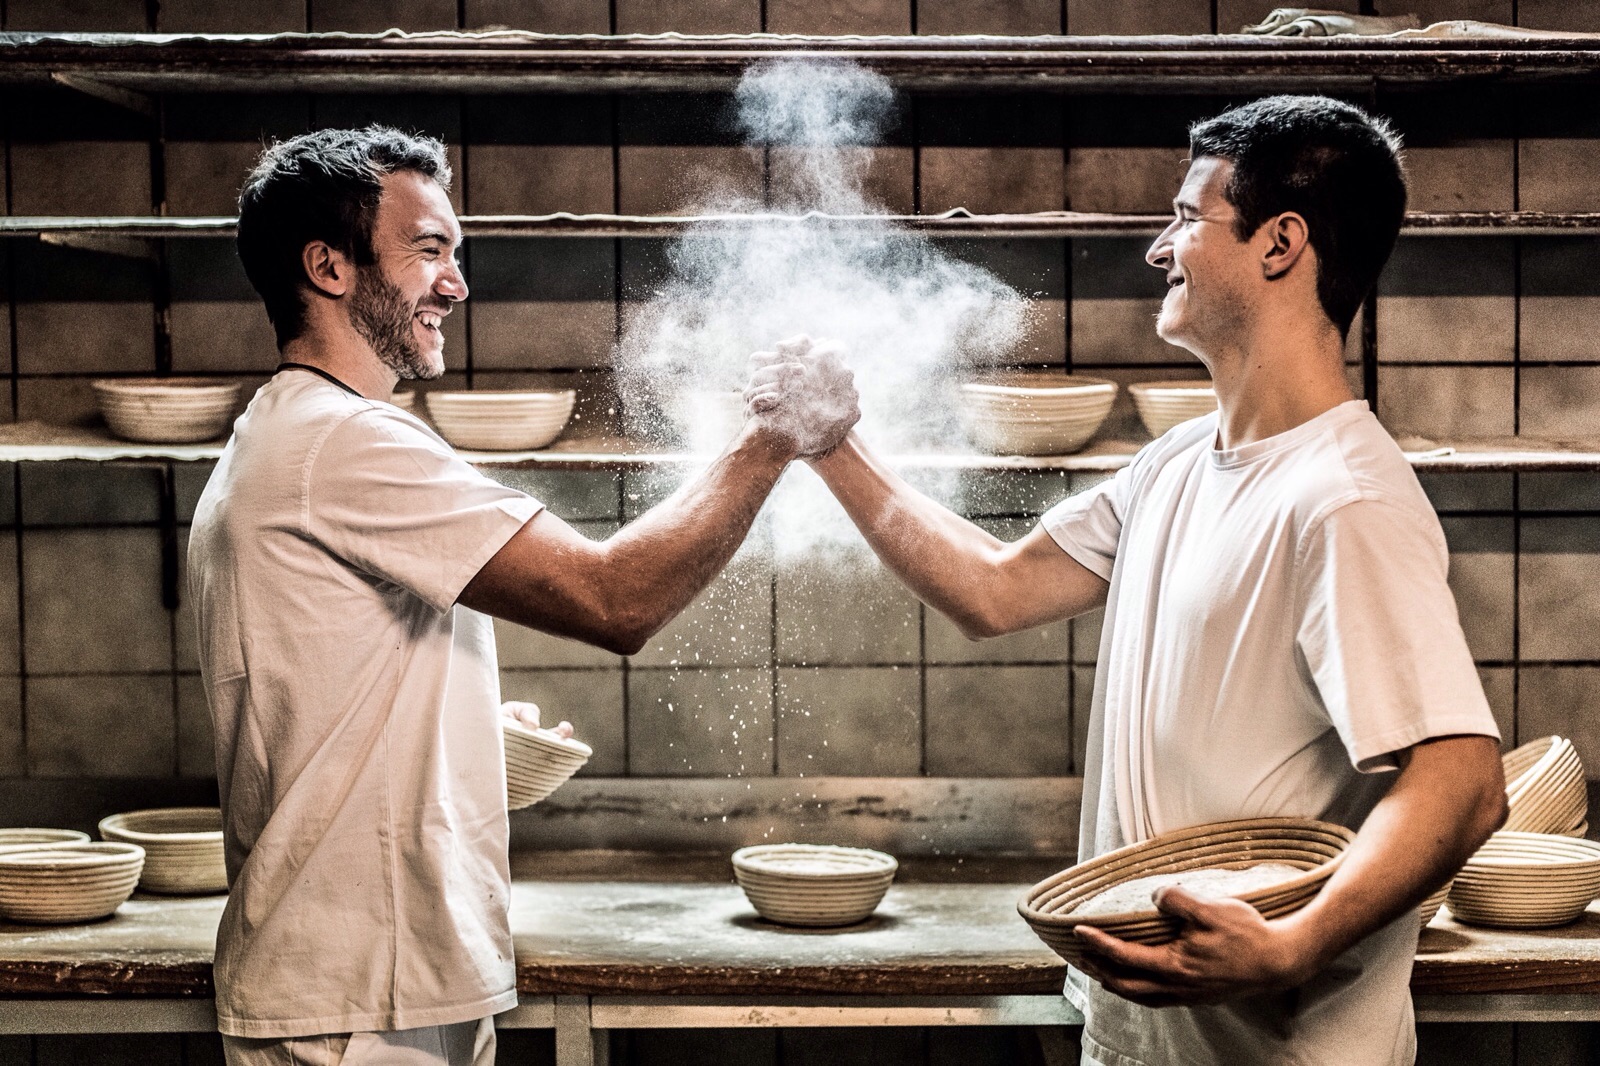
x: 1136, y: 895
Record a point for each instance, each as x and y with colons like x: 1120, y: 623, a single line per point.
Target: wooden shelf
x: 515, y: 61
x: 87, y: 230
x: 34, y: 442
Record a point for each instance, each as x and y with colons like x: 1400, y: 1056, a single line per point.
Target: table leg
x: 578, y: 1043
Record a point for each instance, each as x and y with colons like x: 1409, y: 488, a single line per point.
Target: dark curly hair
x: 321, y: 186
x: 1328, y: 161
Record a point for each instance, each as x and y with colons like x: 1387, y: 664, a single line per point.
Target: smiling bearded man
x: 344, y: 563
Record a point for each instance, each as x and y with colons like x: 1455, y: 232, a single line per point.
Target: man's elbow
x: 1492, y: 810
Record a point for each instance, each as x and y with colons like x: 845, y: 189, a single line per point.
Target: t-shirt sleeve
x: 1088, y: 525
x: 1380, y: 633
x: 397, y: 503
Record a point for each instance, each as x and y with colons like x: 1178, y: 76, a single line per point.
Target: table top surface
x: 644, y: 938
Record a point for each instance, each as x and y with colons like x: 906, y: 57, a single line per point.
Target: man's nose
x: 452, y: 284
x: 1159, y: 254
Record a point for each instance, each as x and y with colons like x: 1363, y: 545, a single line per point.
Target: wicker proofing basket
x: 1312, y: 846
x: 1545, y: 788
x: 182, y: 847
x: 815, y: 885
x: 1527, y: 881
x: 538, y: 763
x: 61, y: 884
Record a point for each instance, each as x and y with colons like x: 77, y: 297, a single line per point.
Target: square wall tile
x: 989, y: 16
x: 1469, y: 491
x: 1086, y: 636
x: 59, y: 401
x: 214, y: 140
x: 69, y: 177
x: 1559, y: 402
x: 197, y: 746
x: 592, y: 700
x: 204, y: 178
x: 1559, y: 492
x: 1125, y: 179
x: 1082, y: 711
x: 521, y: 647
x: 538, y: 154
x: 542, y: 16
x: 375, y: 16
x: 586, y: 499
x: 1137, y: 16
x: 105, y: 726
x: 77, y: 16
x: 1560, y: 300
x: 700, y: 723
x: 1475, y: 176
x: 13, y: 750
x: 656, y: 179
x: 83, y: 311
x: 998, y: 721
x: 1116, y: 296
x: 1558, y: 15
x: 230, y: 16
x: 1445, y: 299
x: 1559, y: 174
x: 987, y: 180
x: 1560, y: 562
x: 1458, y: 1043
x: 688, y: 16
x: 76, y: 494
x: 1561, y: 700
x: 839, y: 16
x: 728, y: 624
x: 1483, y: 581
x: 850, y: 721
x: 217, y: 322
x: 540, y: 304
x: 1499, y: 688
x: 1034, y: 270
x: 846, y: 611
x: 1446, y: 402
x: 189, y: 481
x: 92, y: 601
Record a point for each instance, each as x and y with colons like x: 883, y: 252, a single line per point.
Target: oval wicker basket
x: 1527, y: 880
x: 1312, y: 846
x: 1545, y: 788
x: 538, y: 762
x: 182, y: 846
x: 815, y: 885
x: 77, y: 881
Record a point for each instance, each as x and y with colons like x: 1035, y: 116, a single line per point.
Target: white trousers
x: 461, y: 1044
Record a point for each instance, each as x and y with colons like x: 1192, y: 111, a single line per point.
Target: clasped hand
x: 804, y: 394
x: 1224, y: 950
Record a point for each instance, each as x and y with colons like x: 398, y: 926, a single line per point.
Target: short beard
x: 381, y: 315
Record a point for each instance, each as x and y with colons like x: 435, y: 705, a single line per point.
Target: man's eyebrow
x: 433, y: 236
x: 1181, y: 204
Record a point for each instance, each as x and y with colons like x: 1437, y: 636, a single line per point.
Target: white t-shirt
x: 1278, y: 623
x: 359, y: 753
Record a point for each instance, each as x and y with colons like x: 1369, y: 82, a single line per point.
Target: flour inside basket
x: 1208, y: 884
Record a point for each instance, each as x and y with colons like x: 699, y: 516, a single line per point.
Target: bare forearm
x: 1444, y: 805
x: 658, y: 563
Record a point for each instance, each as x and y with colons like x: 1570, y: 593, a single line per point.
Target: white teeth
x: 429, y: 319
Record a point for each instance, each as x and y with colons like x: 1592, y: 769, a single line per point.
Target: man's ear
x: 328, y: 269
x: 1289, y: 238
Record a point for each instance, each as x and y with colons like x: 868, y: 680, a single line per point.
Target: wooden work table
x: 698, y: 939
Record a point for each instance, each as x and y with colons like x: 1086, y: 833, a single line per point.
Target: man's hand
x: 527, y: 716
x: 803, y: 394
x: 1226, y: 949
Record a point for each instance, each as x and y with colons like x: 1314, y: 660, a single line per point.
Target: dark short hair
x: 321, y: 186
x: 1328, y: 161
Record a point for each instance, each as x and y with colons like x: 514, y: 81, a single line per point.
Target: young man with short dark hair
x: 1279, y: 638
x: 344, y: 563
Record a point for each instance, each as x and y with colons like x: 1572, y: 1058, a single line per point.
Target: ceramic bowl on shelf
x: 814, y: 885
x: 28, y: 835
x: 1164, y: 404
x: 182, y: 846
x: 1312, y: 847
x: 1527, y: 880
x: 76, y: 881
x: 1545, y: 788
x: 1035, y: 412
x: 538, y: 761
x: 167, y: 410
x: 487, y: 420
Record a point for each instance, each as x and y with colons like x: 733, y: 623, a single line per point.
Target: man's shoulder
x: 1357, y: 461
